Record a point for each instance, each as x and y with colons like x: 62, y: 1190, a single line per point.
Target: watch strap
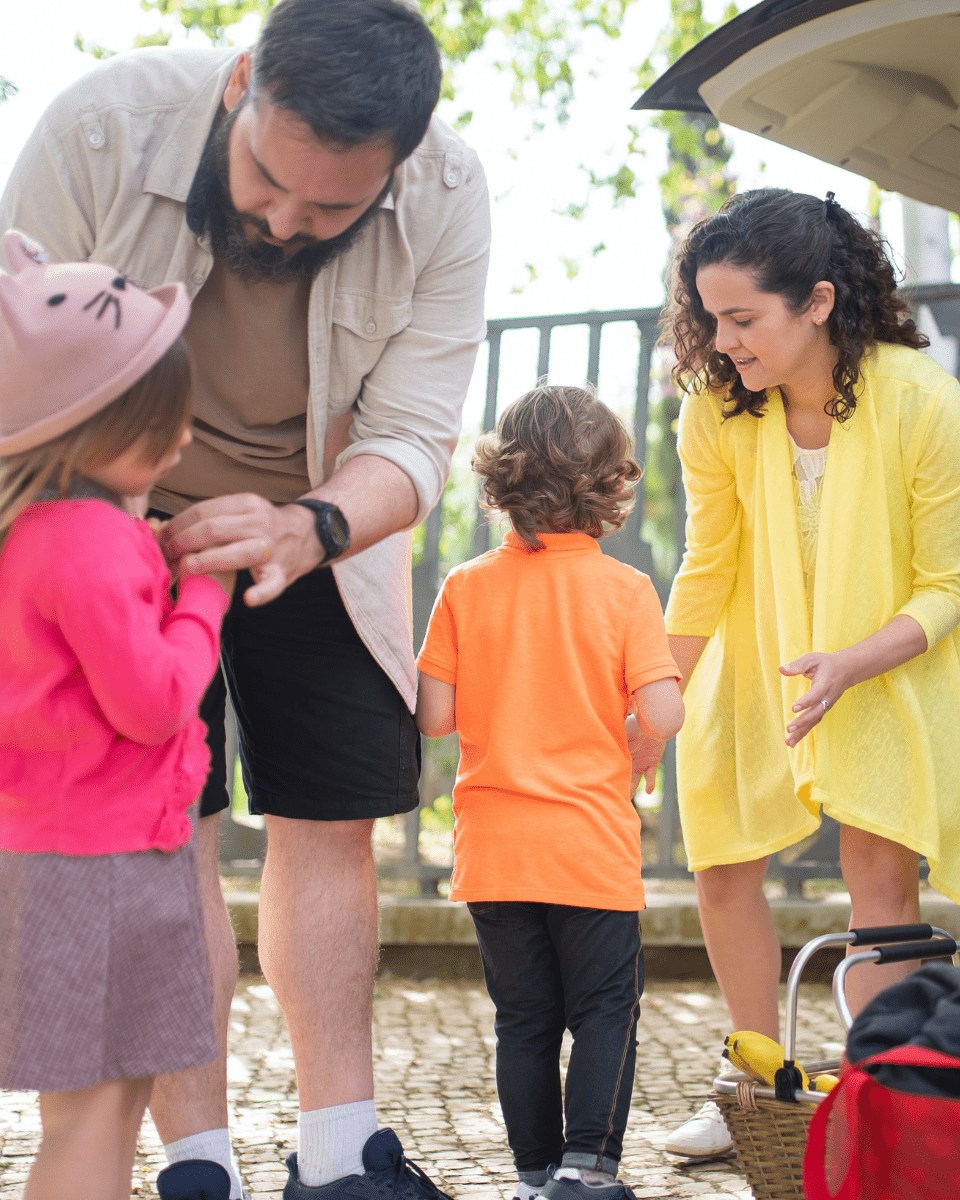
x: 324, y: 515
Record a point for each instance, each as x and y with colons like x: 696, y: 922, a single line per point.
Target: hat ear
x: 22, y: 251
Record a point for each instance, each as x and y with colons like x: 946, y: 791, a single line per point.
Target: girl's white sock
x: 331, y: 1141
x: 212, y: 1145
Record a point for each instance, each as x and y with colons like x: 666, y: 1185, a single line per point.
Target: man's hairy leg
x: 318, y: 950
x: 190, y: 1102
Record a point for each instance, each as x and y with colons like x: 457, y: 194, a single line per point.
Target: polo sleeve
x: 935, y: 519
x: 646, y: 652
x: 147, y: 667
x: 410, y: 406
x: 707, y: 573
x: 438, y: 655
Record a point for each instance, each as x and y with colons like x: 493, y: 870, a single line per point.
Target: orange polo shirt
x: 545, y: 648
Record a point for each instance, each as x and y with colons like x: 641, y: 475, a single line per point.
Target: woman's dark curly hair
x: 789, y: 242
x: 559, y: 461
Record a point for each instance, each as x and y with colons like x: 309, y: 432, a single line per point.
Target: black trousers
x: 551, y: 967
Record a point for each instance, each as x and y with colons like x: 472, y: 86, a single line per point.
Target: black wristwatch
x: 333, y: 532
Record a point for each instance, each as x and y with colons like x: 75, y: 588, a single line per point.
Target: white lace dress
x: 808, y: 468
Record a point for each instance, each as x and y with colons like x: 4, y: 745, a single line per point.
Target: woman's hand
x: 829, y: 679
x: 901, y: 639
x: 645, y: 755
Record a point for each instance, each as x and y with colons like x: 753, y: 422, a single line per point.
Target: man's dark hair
x: 355, y: 71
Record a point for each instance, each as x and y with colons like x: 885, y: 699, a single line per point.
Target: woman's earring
x: 820, y: 320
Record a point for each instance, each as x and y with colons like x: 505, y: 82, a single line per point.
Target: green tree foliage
x: 539, y: 37
x: 697, y: 180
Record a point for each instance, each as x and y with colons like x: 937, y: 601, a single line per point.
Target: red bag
x: 869, y: 1142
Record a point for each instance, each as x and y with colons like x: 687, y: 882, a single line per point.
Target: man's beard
x: 256, y: 261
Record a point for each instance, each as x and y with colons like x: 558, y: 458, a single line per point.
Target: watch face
x: 337, y: 524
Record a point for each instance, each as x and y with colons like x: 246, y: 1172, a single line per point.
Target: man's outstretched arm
x: 278, y: 544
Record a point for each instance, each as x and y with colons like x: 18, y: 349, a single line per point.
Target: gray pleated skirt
x: 103, y: 969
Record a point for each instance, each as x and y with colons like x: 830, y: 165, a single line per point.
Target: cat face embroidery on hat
x: 73, y: 337
x: 104, y: 298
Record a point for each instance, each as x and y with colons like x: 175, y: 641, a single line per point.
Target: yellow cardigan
x: 886, y: 757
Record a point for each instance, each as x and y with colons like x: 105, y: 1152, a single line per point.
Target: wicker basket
x: 770, y: 1137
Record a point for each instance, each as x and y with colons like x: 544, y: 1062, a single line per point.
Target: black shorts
x: 324, y: 735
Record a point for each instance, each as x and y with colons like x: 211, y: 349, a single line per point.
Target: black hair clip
x: 831, y: 201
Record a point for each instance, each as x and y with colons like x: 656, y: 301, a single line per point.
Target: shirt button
x: 198, y: 277
x: 452, y: 178
x: 370, y: 327
x: 95, y: 139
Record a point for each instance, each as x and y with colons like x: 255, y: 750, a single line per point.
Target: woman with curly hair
x: 819, y: 595
x: 535, y: 653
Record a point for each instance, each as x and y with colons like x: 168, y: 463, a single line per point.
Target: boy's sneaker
x: 567, y: 1185
x: 388, y: 1175
x: 526, y: 1191
x: 194, y: 1179
x: 705, y: 1135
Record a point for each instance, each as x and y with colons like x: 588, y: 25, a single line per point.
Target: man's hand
x: 232, y: 533
x: 645, y: 754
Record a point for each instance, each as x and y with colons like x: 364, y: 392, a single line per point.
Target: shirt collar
x: 555, y: 541
x: 80, y: 488
x: 173, y: 168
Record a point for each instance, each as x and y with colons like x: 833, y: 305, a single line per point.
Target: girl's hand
x: 828, y: 681
x: 645, y: 755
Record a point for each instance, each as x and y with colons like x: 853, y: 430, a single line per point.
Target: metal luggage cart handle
x: 890, y: 943
x: 900, y: 944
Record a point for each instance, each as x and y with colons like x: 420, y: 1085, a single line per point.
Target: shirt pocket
x: 363, y: 323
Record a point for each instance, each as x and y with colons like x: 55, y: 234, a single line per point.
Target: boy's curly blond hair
x: 561, y: 462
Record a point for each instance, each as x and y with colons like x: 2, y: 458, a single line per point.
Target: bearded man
x: 334, y: 237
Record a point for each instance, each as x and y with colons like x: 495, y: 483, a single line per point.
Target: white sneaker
x: 705, y: 1135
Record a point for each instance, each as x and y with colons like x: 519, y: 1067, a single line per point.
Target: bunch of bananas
x: 761, y: 1058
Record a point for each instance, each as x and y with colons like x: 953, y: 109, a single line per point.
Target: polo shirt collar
x: 555, y: 541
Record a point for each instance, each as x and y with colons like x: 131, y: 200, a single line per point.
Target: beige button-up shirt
x: 393, y: 325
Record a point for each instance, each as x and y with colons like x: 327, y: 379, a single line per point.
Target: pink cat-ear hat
x: 73, y: 337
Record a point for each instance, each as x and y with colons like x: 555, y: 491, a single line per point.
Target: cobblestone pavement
x: 434, y: 1052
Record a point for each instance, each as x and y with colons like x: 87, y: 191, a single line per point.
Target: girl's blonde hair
x: 155, y: 408
x: 560, y: 460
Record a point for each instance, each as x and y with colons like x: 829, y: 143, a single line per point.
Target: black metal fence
x: 242, y: 847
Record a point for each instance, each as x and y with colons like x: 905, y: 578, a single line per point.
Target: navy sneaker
x: 576, y: 1189
x: 388, y: 1175
x: 194, y: 1179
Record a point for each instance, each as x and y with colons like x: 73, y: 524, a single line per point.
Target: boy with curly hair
x: 536, y: 654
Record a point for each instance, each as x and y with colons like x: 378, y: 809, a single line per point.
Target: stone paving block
x: 434, y: 1064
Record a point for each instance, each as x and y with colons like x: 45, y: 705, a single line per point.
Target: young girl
x: 535, y: 655
x: 818, y: 602
x: 103, y: 967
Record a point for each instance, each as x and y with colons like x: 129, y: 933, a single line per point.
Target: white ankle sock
x: 212, y: 1145
x: 590, y: 1178
x: 331, y: 1141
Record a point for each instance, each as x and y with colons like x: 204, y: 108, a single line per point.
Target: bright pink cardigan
x: 101, y: 675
